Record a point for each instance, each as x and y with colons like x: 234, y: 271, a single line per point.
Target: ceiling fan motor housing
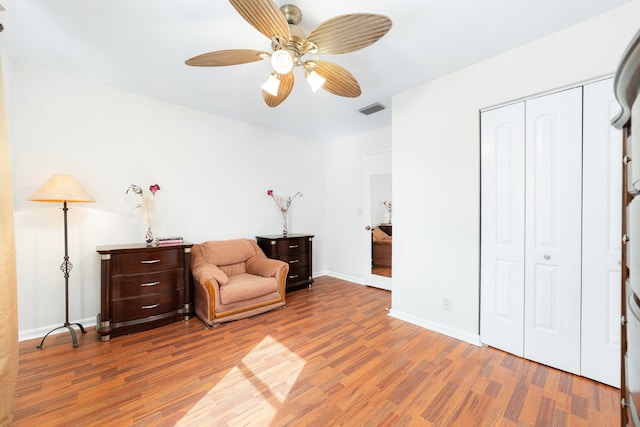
x: 292, y: 14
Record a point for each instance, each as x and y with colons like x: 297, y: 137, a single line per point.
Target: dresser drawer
x: 143, y: 284
x: 146, y: 305
x: 291, y: 246
x: 146, y: 261
x: 294, y: 260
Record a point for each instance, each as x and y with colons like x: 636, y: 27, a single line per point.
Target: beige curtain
x: 8, y: 291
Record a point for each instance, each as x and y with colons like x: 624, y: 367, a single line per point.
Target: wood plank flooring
x: 381, y: 271
x: 331, y: 357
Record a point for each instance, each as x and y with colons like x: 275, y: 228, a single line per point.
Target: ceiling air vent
x: 370, y: 109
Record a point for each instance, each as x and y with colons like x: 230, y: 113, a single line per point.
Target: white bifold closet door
x: 550, y: 231
x: 553, y: 229
x: 601, y: 236
x: 502, y: 229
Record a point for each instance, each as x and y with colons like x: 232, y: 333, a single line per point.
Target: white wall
x: 436, y: 180
x: 213, y: 172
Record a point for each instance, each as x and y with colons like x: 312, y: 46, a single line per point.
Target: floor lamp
x: 65, y: 189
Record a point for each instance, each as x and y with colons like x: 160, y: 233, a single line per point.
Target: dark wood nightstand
x: 387, y: 228
x: 295, y: 250
x: 143, y: 287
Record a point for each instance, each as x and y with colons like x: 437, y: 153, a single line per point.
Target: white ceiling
x: 141, y: 45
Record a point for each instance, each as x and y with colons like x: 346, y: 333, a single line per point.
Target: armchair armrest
x: 209, y: 272
x: 266, y: 267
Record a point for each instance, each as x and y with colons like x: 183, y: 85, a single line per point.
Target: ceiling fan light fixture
x: 315, y: 80
x: 289, y: 44
x: 282, y: 61
x: 272, y: 84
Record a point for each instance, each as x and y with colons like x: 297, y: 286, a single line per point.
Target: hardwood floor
x: 381, y: 271
x: 332, y: 356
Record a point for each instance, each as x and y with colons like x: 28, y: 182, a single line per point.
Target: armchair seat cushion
x: 244, y: 286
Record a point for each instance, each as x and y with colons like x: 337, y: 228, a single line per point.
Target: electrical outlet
x: 446, y: 304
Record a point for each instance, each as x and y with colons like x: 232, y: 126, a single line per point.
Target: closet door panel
x: 601, y: 240
x: 553, y: 207
x: 502, y: 229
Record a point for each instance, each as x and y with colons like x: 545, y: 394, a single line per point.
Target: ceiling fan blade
x: 286, y: 85
x: 338, y: 80
x: 348, y: 33
x: 221, y: 58
x: 264, y: 16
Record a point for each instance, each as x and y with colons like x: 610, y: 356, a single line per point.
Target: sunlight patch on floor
x: 252, y: 391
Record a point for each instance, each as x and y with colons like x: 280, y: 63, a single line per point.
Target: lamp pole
x: 66, y: 267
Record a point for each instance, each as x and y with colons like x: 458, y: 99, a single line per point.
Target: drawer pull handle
x: 149, y: 261
x: 293, y: 261
x: 149, y: 307
x: 150, y: 284
x: 293, y: 277
x: 293, y: 246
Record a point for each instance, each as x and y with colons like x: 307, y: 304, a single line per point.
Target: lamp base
x: 73, y: 333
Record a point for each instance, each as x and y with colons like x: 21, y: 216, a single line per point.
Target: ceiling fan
x: 341, y: 34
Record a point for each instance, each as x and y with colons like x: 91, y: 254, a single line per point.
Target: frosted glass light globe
x: 281, y: 61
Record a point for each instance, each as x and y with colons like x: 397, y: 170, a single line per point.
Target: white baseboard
x: 352, y: 279
x: 41, y: 332
x: 437, y: 327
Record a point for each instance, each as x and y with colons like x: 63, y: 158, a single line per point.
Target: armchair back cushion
x: 231, y: 255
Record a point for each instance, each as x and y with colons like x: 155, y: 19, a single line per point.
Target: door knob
x: 367, y: 228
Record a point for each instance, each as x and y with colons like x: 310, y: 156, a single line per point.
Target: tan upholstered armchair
x: 234, y: 279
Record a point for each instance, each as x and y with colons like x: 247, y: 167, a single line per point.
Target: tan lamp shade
x: 61, y: 188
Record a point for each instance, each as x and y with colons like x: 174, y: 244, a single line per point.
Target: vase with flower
x: 283, y: 204
x: 147, y: 207
x: 387, y: 205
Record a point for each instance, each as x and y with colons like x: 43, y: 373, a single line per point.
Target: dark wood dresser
x: 143, y: 287
x: 295, y: 250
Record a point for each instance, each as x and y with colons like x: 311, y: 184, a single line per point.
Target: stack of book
x: 167, y: 241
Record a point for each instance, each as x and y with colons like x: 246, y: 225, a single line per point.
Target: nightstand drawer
x: 145, y: 306
x: 143, y: 284
x: 297, y: 274
x: 146, y: 261
x: 291, y: 246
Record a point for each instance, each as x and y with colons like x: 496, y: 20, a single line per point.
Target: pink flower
x: 147, y: 202
x: 283, y: 203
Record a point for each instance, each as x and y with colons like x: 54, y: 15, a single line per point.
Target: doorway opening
x: 381, y: 225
